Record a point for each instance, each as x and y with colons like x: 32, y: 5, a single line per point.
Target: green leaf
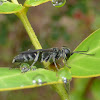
x: 13, y: 79
x: 30, y: 3
x: 65, y: 73
x: 8, y: 8
x: 83, y: 66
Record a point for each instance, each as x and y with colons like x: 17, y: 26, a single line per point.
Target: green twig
x: 30, y: 31
x: 60, y: 89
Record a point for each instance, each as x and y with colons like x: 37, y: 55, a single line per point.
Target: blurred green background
x: 54, y: 27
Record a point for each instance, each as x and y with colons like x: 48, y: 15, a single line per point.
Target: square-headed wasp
x: 45, y: 55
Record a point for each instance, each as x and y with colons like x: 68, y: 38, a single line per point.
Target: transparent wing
x: 35, y: 51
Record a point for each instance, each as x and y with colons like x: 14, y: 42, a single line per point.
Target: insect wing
x: 46, y: 56
x: 35, y: 51
x: 28, y: 52
x: 44, y: 53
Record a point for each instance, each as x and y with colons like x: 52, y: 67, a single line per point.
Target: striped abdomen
x: 24, y: 57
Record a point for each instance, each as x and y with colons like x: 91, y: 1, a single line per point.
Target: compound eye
x: 67, y: 51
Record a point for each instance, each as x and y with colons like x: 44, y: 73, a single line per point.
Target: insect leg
x: 65, y: 60
x: 35, y: 60
x: 55, y: 62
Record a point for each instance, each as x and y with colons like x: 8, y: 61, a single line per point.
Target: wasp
x: 45, y: 55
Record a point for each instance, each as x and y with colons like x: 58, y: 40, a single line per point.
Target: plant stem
x: 30, y: 31
x: 60, y: 89
x: 22, y: 15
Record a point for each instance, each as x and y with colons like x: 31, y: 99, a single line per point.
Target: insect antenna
x: 81, y: 52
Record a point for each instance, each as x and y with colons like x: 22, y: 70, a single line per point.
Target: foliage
x: 87, y: 65
x: 82, y: 66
